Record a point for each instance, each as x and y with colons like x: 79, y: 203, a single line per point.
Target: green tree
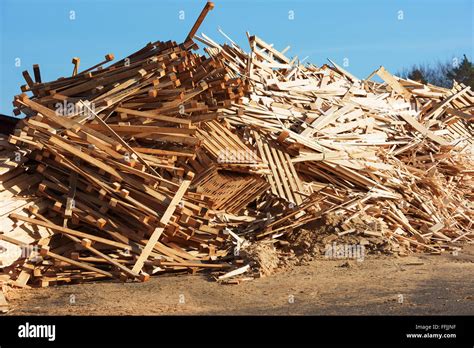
x: 416, y: 75
x: 463, y: 73
x: 442, y: 73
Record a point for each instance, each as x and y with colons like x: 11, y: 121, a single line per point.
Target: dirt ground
x: 418, y: 285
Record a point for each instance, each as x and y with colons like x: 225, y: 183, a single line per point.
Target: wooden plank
x: 45, y: 252
x: 163, y: 221
x: 422, y: 129
x: 392, y: 82
x: 208, y: 7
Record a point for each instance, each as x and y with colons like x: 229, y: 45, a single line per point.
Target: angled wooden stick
x: 76, y: 61
x: 37, y: 73
x: 108, y: 57
x: 209, y: 6
x: 121, y: 141
x: 45, y: 252
x: 163, y: 221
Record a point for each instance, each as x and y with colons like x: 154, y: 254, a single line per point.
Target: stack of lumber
x: 165, y: 159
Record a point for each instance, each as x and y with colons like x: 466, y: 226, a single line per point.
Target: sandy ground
x: 417, y: 285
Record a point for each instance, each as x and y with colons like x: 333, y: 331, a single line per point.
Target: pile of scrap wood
x: 170, y: 160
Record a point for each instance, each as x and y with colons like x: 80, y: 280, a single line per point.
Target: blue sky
x: 368, y: 33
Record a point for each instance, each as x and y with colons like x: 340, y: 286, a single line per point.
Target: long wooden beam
x: 163, y: 221
x: 208, y: 7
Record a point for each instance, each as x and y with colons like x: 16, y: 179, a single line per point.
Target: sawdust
x: 321, y: 239
x: 262, y: 256
x: 316, y: 241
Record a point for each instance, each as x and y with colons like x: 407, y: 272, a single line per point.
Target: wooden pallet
x: 228, y: 191
x: 284, y: 181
